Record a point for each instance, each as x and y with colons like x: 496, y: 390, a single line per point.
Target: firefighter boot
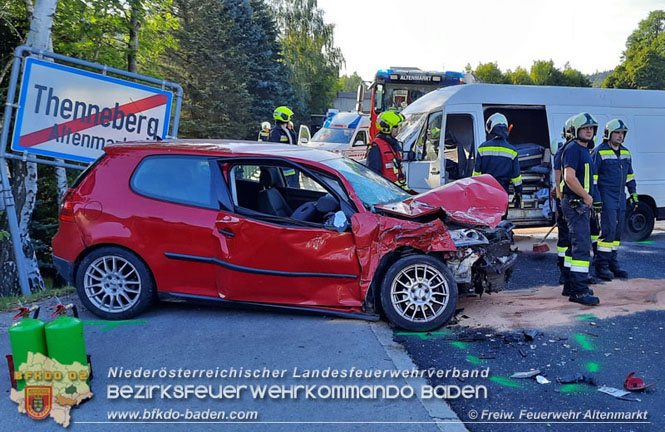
x: 584, y: 298
x: 618, y: 272
x: 604, y: 273
x: 567, y: 292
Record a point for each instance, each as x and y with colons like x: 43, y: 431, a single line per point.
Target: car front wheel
x: 114, y: 283
x: 419, y: 293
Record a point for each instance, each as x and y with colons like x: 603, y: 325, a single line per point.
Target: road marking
x: 110, y: 325
x: 437, y: 409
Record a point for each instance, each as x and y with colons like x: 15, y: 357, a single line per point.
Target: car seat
x: 270, y: 200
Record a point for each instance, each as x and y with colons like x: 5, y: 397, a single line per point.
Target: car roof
x: 226, y: 148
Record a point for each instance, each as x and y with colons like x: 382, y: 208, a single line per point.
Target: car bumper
x: 65, y: 269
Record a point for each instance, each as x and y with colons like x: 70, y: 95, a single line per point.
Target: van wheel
x: 419, y: 293
x: 639, y: 222
x: 114, y: 283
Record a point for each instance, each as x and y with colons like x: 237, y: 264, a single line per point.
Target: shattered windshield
x: 409, y: 129
x: 370, y: 187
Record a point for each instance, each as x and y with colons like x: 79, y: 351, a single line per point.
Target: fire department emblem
x: 38, y: 401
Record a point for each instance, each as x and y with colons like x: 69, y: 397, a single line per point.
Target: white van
x: 346, y: 132
x: 537, y: 114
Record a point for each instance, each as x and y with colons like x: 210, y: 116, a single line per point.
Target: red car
x: 277, y: 225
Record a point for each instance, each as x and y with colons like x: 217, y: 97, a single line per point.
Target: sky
x: 447, y: 34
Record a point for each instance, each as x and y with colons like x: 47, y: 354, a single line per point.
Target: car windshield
x: 333, y: 135
x: 371, y: 188
x: 409, y: 129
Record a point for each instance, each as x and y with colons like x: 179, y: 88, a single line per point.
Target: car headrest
x: 326, y: 204
x: 269, y: 177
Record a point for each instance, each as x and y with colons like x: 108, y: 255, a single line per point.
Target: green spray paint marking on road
x: 584, y: 342
x: 506, y: 382
x: 645, y: 242
x: 425, y: 335
x: 110, y: 325
x: 458, y: 344
x: 475, y: 360
x: 575, y: 388
x: 592, y: 367
x: 586, y: 317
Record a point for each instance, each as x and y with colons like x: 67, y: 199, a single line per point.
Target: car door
x: 271, y: 259
x: 424, y: 173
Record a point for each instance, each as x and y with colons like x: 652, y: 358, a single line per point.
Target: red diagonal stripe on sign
x: 77, y: 125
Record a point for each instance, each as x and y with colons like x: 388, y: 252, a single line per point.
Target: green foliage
x: 644, y: 58
x: 311, y: 55
x: 349, y: 83
x: 519, y: 77
x: 598, y: 78
x: 544, y: 73
x: 490, y: 73
x: 101, y: 33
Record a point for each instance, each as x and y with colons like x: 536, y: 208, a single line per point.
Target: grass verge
x: 10, y: 302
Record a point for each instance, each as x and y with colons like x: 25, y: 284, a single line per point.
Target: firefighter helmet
x: 567, y: 132
x: 614, y: 125
x: 583, y: 120
x: 496, y: 120
x: 282, y: 114
x: 265, y: 125
x: 387, y: 120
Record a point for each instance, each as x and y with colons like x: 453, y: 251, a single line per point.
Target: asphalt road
x: 174, y: 335
x: 603, y: 349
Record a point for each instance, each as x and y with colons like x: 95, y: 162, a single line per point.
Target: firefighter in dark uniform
x: 264, y: 135
x: 563, y: 240
x: 498, y: 157
x: 614, y: 172
x: 283, y: 135
x: 385, y: 152
x: 577, y: 200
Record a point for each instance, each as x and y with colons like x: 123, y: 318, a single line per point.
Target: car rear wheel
x: 419, y: 293
x: 114, y: 283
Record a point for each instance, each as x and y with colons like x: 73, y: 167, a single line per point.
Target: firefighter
x: 577, y: 199
x: 498, y: 157
x: 614, y: 171
x: 282, y: 134
x: 563, y: 241
x: 264, y: 135
x: 385, y: 152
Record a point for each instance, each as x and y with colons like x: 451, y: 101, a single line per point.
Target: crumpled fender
x: 376, y: 235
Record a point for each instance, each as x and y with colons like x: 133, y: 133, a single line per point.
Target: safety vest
x: 264, y: 135
x: 391, y: 163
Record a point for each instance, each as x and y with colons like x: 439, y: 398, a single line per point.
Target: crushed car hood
x: 476, y: 200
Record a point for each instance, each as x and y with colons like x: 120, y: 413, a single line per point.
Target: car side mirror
x: 359, y: 143
x: 304, y: 140
x: 336, y: 221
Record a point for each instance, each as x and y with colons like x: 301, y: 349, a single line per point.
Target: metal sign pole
x: 7, y: 197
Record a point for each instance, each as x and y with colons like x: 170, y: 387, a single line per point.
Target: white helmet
x: 265, y: 125
x: 496, y: 119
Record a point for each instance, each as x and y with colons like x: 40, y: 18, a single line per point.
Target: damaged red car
x: 276, y: 225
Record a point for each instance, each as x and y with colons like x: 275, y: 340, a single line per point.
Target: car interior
x: 283, y: 192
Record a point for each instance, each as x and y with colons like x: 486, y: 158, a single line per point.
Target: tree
x: 490, y: 73
x: 349, y: 83
x: 544, y: 73
x: 644, y: 58
x: 309, y: 51
x: 519, y: 77
x: 574, y: 78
